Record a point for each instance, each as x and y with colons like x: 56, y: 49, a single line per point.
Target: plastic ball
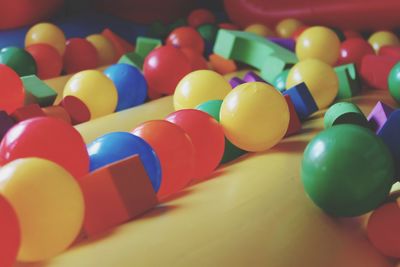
x: 383, y: 229
x: 164, y: 67
x: 11, y: 90
x: 196, y: 60
x: 198, y: 87
x: 74, y: 60
x: 320, y: 79
x: 255, y: 116
x: 259, y: 29
x: 213, y: 107
x: 296, y: 34
x: 199, y: 17
x: 186, y: 37
x: 104, y: 48
x: 49, y: 204
x: 48, y: 138
x: 10, y: 234
x: 383, y: 38
x: 19, y: 60
x: 207, y: 137
x: 280, y: 81
x: 95, y: 90
x: 318, y: 43
x: 351, y: 34
x: 353, y: 50
x: 347, y: 170
x: 286, y: 27
x: 175, y: 151
x: 48, y: 61
x: 394, y: 82
x: 46, y: 33
x: 116, y: 146
x: 130, y: 83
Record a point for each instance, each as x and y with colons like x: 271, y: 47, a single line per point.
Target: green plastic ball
x: 212, y: 107
x: 19, y: 60
x: 394, y: 82
x: 347, y: 170
x: 280, y: 80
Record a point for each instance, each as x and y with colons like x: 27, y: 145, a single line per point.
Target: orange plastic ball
x: 384, y: 231
x: 175, y: 151
x: 186, y: 37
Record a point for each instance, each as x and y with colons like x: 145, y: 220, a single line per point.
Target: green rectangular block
x: 349, y: 81
x: 269, y: 58
x: 132, y: 58
x: 38, y: 92
x: 145, y: 45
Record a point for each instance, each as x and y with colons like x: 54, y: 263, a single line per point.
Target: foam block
x: 294, y: 122
x: 288, y: 43
x: 57, y: 112
x: 235, y: 81
x: 27, y: 112
x: 392, y: 51
x: 121, y: 46
x: 115, y: 194
x: 390, y: 133
x: 302, y: 100
x: 375, y: 70
x: 40, y: 92
x: 145, y: 45
x: 221, y: 64
x: 251, y: 76
x: 132, y: 58
x: 77, y: 110
x: 6, y: 122
x: 379, y: 115
x: 269, y: 58
x: 344, y: 113
x: 349, y: 81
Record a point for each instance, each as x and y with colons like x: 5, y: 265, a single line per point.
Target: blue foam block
x: 302, y: 99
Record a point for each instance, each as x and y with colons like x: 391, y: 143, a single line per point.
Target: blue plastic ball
x: 115, y: 146
x: 130, y: 83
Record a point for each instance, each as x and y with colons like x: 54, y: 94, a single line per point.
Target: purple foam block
x: 288, y: 43
x: 6, y: 122
x: 379, y: 115
x: 250, y: 76
x: 235, y: 81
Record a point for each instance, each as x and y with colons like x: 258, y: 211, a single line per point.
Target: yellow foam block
x: 253, y: 212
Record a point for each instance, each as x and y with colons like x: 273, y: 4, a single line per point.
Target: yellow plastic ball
x: 383, y: 38
x: 46, y: 33
x: 198, y: 87
x: 48, y: 202
x: 320, y: 43
x: 259, y: 29
x: 320, y: 79
x: 285, y: 28
x: 95, y: 90
x: 104, y: 47
x: 255, y: 116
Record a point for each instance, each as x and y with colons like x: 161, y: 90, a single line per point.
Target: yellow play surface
x: 252, y: 212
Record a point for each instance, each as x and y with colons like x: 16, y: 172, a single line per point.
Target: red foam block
x: 294, y: 122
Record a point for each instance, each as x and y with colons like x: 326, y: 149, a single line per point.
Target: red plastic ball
x: 11, y: 90
x: 353, y: 50
x: 9, y: 233
x: 351, y: 34
x: 228, y: 26
x: 186, y: 37
x: 79, y: 55
x: 384, y: 231
x: 207, y: 137
x: 197, y: 61
x: 199, y: 17
x: 49, y: 62
x: 299, y: 31
x: 164, y: 67
x: 48, y: 138
x: 174, y: 150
